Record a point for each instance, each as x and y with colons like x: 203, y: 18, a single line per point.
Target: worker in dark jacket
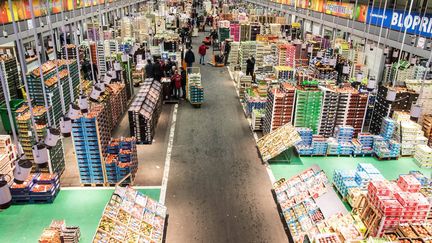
x: 189, y: 57
x: 157, y: 70
x: 149, y: 69
x: 250, y: 65
x: 183, y: 82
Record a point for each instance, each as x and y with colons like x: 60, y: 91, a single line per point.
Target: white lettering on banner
x: 416, y: 22
x: 394, y: 19
x: 408, y: 21
x: 429, y: 26
x: 423, y: 24
x: 400, y: 24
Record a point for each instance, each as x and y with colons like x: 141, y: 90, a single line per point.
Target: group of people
x: 160, y: 68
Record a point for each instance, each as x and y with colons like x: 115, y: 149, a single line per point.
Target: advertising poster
x: 38, y: 9
x: 4, y: 9
x: 316, y: 5
x: 413, y: 23
x: 19, y: 11
x: 360, y: 13
x: 56, y: 6
x: 344, y: 10
x: 303, y: 3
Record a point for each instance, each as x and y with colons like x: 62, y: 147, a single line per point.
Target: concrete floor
x: 218, y: 190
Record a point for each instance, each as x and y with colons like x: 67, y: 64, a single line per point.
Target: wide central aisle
x: 218, y: 190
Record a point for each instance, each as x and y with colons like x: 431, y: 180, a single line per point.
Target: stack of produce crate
x: 70, y: 49
x: 144, y: 112
x: 235, y: 30
x: 195, y: 89
x: 383, y: 107
x: 245, y: 32
x: 286, y: 54
x: 28, y: 138
x: 121, y: 160
x: 394, y: 204
x: 91, y: 135
x: 257, y: 119
x: 7, y: 157
x: 101, y: 58
x: 254, y: 102
x: 37, y: 188
x: 329, y: 109
x: 247, y: 49
x: 284, y: 73
x: 255, y: 29
x: 410, y: 135
x: 224, y: 30
x: 11, y: 75
x: 308, y: 108
x: 356, y: 111
x: 118, y: 102
x: 233, y: 56
x: 366, y: 140
x: 51, y: 83
x: 427, y: 128
x: 279, y: 107
x: 245, y: 82
x: 262, y: 51
x: 423, y: 156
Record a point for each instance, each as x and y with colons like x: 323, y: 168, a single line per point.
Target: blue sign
x: 413, y: 23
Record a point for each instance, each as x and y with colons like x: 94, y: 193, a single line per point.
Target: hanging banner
x: 344, y: 10
x: 316, y: 5
x: 413, y: 23
x: 360, y: 12
x: 56, y: 6
x: 4, y: 16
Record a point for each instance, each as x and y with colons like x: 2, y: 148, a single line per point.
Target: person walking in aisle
x: 250, y: 65
x: 157, y: 70
x: 202, y: 50
x: 149, y: 69
x: 183, y: 82
x: 176, y: 83
x: 189, y: 58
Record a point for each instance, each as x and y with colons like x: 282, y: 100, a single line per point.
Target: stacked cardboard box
x: 423, y: 156
x: 308, y: 108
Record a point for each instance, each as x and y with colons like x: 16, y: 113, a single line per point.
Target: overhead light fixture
x: 5, y: 194
x: 52, y: 137
x: 40, y: 155
x: 65, y: 126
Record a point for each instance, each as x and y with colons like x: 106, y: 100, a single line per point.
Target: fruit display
x: 131, y: 217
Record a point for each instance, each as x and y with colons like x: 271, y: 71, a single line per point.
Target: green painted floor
x: 390, y: 169
x: 83, y: 208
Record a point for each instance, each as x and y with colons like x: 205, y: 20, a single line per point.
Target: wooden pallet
x: 387, y: 158
x: 92, y: 184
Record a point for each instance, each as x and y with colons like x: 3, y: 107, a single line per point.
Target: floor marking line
x: 168, y: 157
x: 72, y: 188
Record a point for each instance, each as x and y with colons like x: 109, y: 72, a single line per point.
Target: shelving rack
x: 144, y: 112
x: 11, y: 75
x: 91, y: 135
x: 51, y: 86
x: 279, y: 108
